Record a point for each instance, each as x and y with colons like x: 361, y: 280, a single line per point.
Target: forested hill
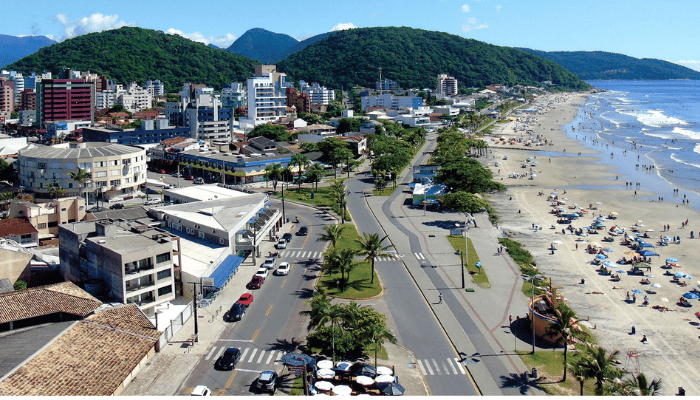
x: 594, y: 65
x: 260, y: 44
x: 414, y: 58
x: 135, y: 54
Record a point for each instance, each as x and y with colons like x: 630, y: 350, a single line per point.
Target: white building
x: 210, y: 122
x: 267, y: 101
x: 318, y: 94
x: 234, y: 95
x: 447, y: 85
x: 392, y: 102
x: 105, y: 99
x: 157, y: 87
x: 135, y: 98
x: 18, y: 79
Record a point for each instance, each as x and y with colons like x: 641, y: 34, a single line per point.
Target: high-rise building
x: 301, y: 101
x: 158, y: 87
x: 7, y: 98
x: 386, y: 85
x: 28, y: 100
x: 267, y: 101
x: 18, y: 79
x: 234, y: 95
x: 64, y: 99
x: 319, y: 94
x: 447, y: 85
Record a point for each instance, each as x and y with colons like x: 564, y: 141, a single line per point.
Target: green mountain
x: 260, y: 44
x: 297, y: 47
x: 592, y: 65
x: 135, y: 54
x: 12, y: 48
x: 414, y: 58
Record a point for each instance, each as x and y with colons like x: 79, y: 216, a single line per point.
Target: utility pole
x: 196, y: 327
x: 283, y: 215
x: 461, y: 257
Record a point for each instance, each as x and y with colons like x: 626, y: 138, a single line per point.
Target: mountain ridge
x: 259, y: 44
x: 13, y: 48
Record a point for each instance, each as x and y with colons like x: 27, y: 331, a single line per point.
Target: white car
x: 153, y: 201
x: 201, y: 390
x: 283, y: 269
x: 262, y: 272
x: 269, y: 263
x: 282, y: 244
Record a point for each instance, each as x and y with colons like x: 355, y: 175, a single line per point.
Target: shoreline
x: 589, y: 180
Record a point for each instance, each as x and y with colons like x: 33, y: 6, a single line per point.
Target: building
x: 424, y: 173
x: 428, y: 194
x: 301, y: 101
x: 65, y: 99
x: 28, y: 100
x: 10, y: 146
x: 213, y: 122
x: 267, y: 100
x: 61, y: 129
x: 446, y: 85
x: 135, y: 98
x: 151, y: 132
x: 391, y: 102
x: 133, y: 262
x: 234, y: 95
x: 18, y: 79
x: 115, y: 169
x: 15, y: 263
x: 386, y: 85
x: 46, y: 217
x: 156, y: 86
x: 446, y: 110
x: 319, y: 94
x: 19, y: 230
x: 7, y: 98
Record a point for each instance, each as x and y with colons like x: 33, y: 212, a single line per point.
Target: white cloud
x: 473, y: 27
x: 692, y: 64
x: 94, y: 23
x: 220, y: 41
x: 225, y: 40
x: 498, y: 7
x: 472, y: 21
x: 465, y: 8
x: 343, y: 26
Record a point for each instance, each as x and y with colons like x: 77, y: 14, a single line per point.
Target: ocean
x: 649, y: 131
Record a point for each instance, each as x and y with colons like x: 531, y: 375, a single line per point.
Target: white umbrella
x: 342, y: 390
x: 557, y: 242
x: 364, y: 380
x: 656, y: 285
x: 324, y: 385
x: 323, y: 364
x: 664, y: 299
x: 382, y: 370
x: 598, y: 203
x: 325, y: 373
x: 384, y: 378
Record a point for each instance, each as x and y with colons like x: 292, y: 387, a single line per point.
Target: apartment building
x: 28, y: 100
x: 318, y: 94
x: 234, y: 95
x: 46, y: 217
x: 7, y: 98
x: 267, y: 101
x: 64, y: 99
x: 213, y: 122
x: 156, y: 86
x: 301, y: 101
x: 390, y: 101
x: 447, y: 85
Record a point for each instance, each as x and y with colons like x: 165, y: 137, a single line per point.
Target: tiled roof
x: 16, y: 226
x: 92, y: 358
x: 62, y: 297
x: 173, y: 141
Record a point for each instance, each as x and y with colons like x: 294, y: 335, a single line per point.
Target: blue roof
x: 225, y: 269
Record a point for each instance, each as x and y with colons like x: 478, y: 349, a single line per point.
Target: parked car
x: 201, y: 390
x: 176, y: 175
x: 153, y: 201
x: 190, y: 177
x: 236, y: 312
x: 262, y: 272
x: 256, y: 282
x: 96, y: 209
x: 246, y: 298
x: 283, y: 269
x: 287, y: 236
x: 303, y: 231
x: 117, y: 206
x: 267, y: 381
x: 198, y: 181
x: 229, y: 359
x: 282, y: 244
x: 162, y: 171
x: 269, y: 263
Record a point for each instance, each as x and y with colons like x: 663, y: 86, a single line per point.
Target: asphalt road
x: 271, y: 325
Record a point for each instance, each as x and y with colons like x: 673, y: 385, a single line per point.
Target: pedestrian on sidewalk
x: 510, y: 319
x: 440, y: 302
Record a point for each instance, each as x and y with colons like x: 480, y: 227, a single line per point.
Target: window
x: 163, y: 274
x: 114, y: 172
x: 53, y: 224
x: 100, y: 174
x: 54, y: 165
x: 115, y: 163
x: 162, y: 258
x: 201, y: 235
x: 70, y: 165
x: 165, y: 290
x: 116, y: 182
x: 100, y: 164
x: 144, y: 263
x: 42, y: 225
x: 85, y: 165
x: 41, y: 165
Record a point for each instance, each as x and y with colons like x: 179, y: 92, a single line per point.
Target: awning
x: 225, y: 269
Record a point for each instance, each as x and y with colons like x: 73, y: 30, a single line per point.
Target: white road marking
x: 420, y: 364
x: 244, y: 353
x: 213, y: 349
x: 459, y: 365
x: 437, y: 367
x: 272, y: 353
x: 454, y: 370
x: 262, y: 354
x: 252, y: 355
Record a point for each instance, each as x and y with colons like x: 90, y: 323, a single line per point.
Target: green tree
x: 467, y: 175
x: 277, y: 133
x: 640, y: 385
x: 578, y: 373
x: 596, y: 364
x: 563, y: 329
x: 371, y: 247
x: 463, y: 202
x: 55, y: 190
x: 311, y: 118
x: 349, y: 125
x: 19, y: 285
x: 332, y: 234
x: 273, y: 172
x: 307, y: 147
x: 379, y: 336
x: 301, y: 161
x: 322, y: 313
x: 315, y: 173
x: 81, y: 176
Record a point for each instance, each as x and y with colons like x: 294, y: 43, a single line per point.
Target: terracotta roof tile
x: 62, y: 297
x: 16, y: 226
x: 89, y: 359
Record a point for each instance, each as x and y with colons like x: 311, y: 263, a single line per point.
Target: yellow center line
x: 283, y: 282
x: 230, y: 379
x: 266, y: 314
x: 255, y: 335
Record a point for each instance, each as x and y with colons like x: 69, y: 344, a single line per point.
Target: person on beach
x: 644, y: 339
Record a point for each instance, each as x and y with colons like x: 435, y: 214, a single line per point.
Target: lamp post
x: 532, y: 306
x: 196, y: 327
x: 461, y: 258
x: 283, y: 214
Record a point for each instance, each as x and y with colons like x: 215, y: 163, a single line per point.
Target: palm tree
x: 371, y: 247
x: 338, y: 190
x: 273, y: 172
x: 315, y: 172
x: 563, y: 329
x: 55, y: 190
x: 322, y: 312
x: 345, y: 260
x: 333, y: 234
x: 379, y: 336
x: 640, y: 385
x: 81, y: 176
x: 301, y: 161
x: 577, y: 372
x: 596, y: 364
x: 320, y: 302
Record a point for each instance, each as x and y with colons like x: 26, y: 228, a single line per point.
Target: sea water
x: 649, y: 131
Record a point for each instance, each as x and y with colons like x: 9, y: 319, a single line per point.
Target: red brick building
x: 301, y: 101
x: 64, y: 99
x: 28, y: 100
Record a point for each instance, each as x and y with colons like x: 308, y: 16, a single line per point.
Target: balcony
x: 134, y: 287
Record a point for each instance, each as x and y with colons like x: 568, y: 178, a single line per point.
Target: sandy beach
x: 671, y: 352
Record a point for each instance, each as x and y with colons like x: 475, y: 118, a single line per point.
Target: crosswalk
x: 420, y: 256
x: 300, y: 254
x: 249, y: 355
x: 448, y: 366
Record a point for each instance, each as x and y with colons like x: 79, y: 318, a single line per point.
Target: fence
x: 175, y: 325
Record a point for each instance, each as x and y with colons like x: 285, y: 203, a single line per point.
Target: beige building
x: 46, y: 217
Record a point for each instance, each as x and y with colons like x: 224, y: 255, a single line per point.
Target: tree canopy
x: 278, y: 133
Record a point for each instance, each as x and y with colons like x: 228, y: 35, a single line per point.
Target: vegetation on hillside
x: 135, y: 54
x: 414, y: 58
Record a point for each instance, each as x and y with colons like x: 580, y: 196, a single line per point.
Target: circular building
x: 113, y: 170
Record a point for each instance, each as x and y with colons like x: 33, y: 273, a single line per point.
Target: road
x: 271, y: 325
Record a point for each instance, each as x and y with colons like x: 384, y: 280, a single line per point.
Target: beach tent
x: 647, y: 253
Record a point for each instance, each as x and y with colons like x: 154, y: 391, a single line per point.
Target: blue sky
x: 660, y: 29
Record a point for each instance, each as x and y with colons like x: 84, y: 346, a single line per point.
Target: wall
x: 14, y: 265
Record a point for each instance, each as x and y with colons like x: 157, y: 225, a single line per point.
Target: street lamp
x: 461, y: 257
x: 532, y: 306
x: 283, y: 214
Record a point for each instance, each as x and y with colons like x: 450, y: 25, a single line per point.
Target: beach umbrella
x: 609, y: 264
x: 364, y: 380
x: 672, y: 259
x: 691, y: 296
x: 391, y: 389
x: 619, y: 271
x: 607, y: 250
x: 325, y: 373
x: 647, y: 253
x: 601, y: 257
x: 651, y: 276
x: 342, y: 390
x: 614, y: 213
x: 343, y: 366
x: 679, y: 274
x: 664, y: 299
x: 656, y: 285
x: 557, y: 242
x: 382, y: 370
x: 324, y: 385
x: 637, y: 291
x: 566, y: 198
x: 385, y: 378
x: 323, y: 364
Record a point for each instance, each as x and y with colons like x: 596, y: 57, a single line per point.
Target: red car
x: 189, y: 177
x: 162, y: 171
x: 246, y: 299
x: 256, y: 282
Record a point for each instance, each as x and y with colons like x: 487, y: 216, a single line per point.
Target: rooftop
x: 91, y: 149
x: 16, y: 226
x: 206, y: 192
x: 63, y: 297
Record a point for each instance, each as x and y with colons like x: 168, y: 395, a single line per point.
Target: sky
x: 660, y: 29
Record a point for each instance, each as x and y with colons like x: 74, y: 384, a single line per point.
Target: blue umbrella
x: 691, y: 296
x: 607, y: 250
x: 608, y: 264
x: 601, y: 257
x: 679, y: 274
x: 637, y: 291
x: 619, y: 271
x: 671, y: 259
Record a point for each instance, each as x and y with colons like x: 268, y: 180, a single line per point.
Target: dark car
x: 256, y: 282
x: 267, y: 381
x: 229, y: 359
x: 117, y: 206
x: 236, y: 312
x: 287, y: 236
x: 189, y: 177
x: 303, y: 231
x: 96, y: 209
